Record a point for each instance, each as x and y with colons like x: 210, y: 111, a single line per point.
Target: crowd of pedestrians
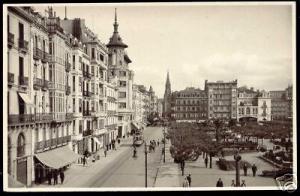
x: 53, y: 174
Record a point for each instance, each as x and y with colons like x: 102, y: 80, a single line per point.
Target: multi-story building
x: 222, y: 99
x: 282, y: 107
x: 119, y: 66
x: 253, y: 105
x: 153, y: 101
x: 137, y: 106
x: 94, y: 61
x: 160, y: 107
x: 112, y: 111
x: 20, y: 93
x: 190, y: 105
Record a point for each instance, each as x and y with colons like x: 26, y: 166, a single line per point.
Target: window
x: 74, y: 61
x: 122, y: 94
x: 93, y: 53
x: 73, y: 84
x: 101, y: 57
x: 122, y: 83
x: 120, y: 118
x: 21, y: 145
x: 21, y: 66
x: 122, y: 73
x: 74, y: 105
x: 80, y: 105
x: 122, y: 105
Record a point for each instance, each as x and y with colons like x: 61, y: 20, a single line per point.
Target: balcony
x: 11, y: 78
x: 37, y: 53
x: 87, y: 75
x: 69, y: 116
x: 45, y: 57
x: 46, y: 117
x: 11, y: 39
x: 87, y: 132
x: 68, y: 90
x: 23, y: 45
x: 86, y: 113
x: 68, y: 66
x: 37, y: 83
x: 45, y: 85
x: 86, y: 93
x: 14, y: 119
x: 23, y: 81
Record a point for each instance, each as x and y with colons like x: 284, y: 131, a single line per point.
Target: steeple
x: 116, y: 39
x: 168, y: 84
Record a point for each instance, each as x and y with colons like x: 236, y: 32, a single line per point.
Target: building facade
x: 118, y: 66
x: 190, y: 105
x: 222, y: 99
x: 282, y: 104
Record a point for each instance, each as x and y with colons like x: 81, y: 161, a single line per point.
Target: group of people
x: 187, y: 181
x: 254, y: 169
x: 152, y: 145
x: 54, y: 174
x: 233, y: 184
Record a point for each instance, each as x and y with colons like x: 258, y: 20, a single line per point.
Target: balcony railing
x: 37, y: 53
x: 43, y: 117
x: 23, y: 45
x: 68, y: 66
x: 11, y: 78
x: 21, y: 119
x: 11, y: 39
x: 68, y: 90
x: 45, y: 57
x: 23, y: 81
x: 52, y: 143
x: 37, y: 83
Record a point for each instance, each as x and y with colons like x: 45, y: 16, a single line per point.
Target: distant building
x: 160, y: 103
x: 253, y: 105
x: 190, y: 105
x: 222, y: 99
x: 282, y: 104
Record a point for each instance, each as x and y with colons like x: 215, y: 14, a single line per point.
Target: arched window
x: 21, y: 145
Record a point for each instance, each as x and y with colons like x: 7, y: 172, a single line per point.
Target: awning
x: 97, y: 141
x: 57, y: 158
x: 135, y: 125
x: 26, y: 99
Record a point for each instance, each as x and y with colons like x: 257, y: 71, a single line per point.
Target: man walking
x: 232, y: 183
x: 182, y: 164
x: 49, y: 176
x: 206, y: 161
x: 55, y: 177
x: 243, y: 183
x: 189, y: 179
x: 105, y: 152
x: 62, y: 176
x: 254, y: 169
x: 83, y: 160
x: 245, y: 169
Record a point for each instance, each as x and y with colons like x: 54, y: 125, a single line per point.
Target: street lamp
x: 146, y: 164
x: 237, y: 159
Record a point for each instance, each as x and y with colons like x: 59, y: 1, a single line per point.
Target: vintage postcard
x: 149, y: 96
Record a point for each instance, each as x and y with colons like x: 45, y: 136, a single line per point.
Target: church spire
x: 168, y: 84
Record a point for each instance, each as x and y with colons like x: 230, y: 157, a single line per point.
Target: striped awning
x: 58, y: 157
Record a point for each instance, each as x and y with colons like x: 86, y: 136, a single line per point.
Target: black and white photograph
x: 149, y: 96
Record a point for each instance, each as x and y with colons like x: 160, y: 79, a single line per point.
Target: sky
x: 251, y: 43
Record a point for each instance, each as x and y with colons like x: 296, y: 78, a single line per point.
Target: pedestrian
x: 49, y: 176
x: 157, y: 142
x: 206, y: 161
x: 219, y: 183
x: 62, y: 176
x: 185, y: 182
x: 105, y: 152
x: 232, y: 183
x: 189, y: 179
x: 182, y: 164
x: 254, y: 169
x: 83, y: 160
x: 245, y: 169
x: 243, y: 183
x: 55, y: 177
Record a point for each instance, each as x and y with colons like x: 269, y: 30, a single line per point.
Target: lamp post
x: 164, y: 145
x: 237, y: 159
x: 145, y: 164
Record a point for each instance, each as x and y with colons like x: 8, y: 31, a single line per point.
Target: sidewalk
x: 168, y: 173
x: 79, y: 176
